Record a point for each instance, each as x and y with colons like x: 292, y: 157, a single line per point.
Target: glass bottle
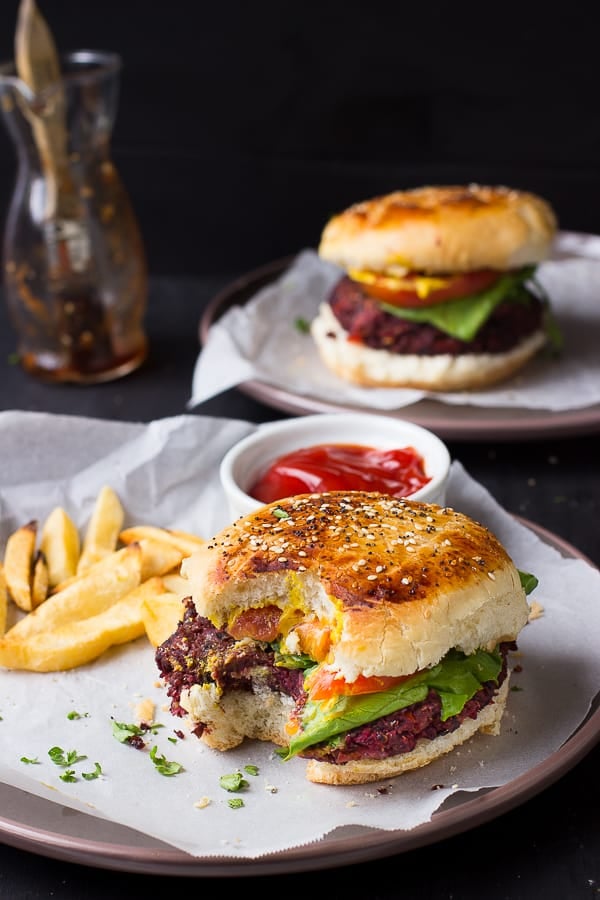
x: 74, y: 267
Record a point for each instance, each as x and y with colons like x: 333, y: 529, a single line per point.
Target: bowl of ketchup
x: 334, y: 451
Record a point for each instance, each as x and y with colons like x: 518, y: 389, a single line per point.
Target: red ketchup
x: 342, y: 467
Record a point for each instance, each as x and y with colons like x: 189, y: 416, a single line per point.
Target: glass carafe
x: 74, y: 267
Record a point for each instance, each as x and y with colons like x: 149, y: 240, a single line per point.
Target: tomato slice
x: 414, y: 290
x: 260, y: 624
x: 325, y: 684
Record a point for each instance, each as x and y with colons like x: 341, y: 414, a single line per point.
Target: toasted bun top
x: 441, y: 229
x: 392, y: 584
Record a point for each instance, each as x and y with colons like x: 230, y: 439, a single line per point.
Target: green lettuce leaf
x: 463, y: 318
x: 456, y: 679
x: 529, y: 582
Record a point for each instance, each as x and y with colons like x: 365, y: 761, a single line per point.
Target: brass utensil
x: 38, y: 66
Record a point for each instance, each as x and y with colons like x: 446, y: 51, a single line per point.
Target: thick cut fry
x: 161, y: 614
x: 158, y: 558
x: 108, y: 561
x: 75, y: 643
x: 102, y: 533
x: 39, y: 580
x: 18, y: 564
x: 177, y: 584
x: 3, y: 601
x: 59, y: 542
x: 187, y: 543
x: 87, y: 595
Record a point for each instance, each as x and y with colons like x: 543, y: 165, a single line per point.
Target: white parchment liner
x: 261, y: 341
x: 166, y: 474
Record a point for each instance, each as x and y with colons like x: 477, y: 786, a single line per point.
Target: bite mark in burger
x: 366, y: 634
x: 439, y: 291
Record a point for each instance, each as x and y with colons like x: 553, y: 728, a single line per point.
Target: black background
x: 243, y: 126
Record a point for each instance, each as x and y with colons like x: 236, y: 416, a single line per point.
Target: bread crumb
x: 536, y: 611
x: 144, y: 712
x: 351, y: 803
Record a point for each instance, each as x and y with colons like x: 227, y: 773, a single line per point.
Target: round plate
x: 470, y: 423
x: 61, y: 833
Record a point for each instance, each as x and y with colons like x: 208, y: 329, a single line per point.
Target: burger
x: 439, y: 290
x: 364, y: 634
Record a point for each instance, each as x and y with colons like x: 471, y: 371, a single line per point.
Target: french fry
x: 82, y: 598
x: 158, y: 557
x: 60, y: 544
x: 3, y: 601
x: 86, y: 595
x: 186, y: 543
x: 177, y: 584
x: 161, y: 614
x: 18, y: 564
x: 102, y: 533
x: 39, y: 580
x: 76, y: 643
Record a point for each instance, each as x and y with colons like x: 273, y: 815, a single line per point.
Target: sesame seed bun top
x: 442, y: 229
x: 395, y: 583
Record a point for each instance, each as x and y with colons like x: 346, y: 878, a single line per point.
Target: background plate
x: 34, y: 824
x: 470, y: 423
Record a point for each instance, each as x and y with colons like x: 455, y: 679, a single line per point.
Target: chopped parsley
x: 60, y: 758
x: 233, y: 783
x: 163, y: 765
x: 68, y: 776
x: 90, y: 776
x: 302, y: 325
x: 123, y: 732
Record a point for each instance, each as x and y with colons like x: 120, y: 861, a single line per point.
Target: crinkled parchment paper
x: 260, y: 341
x: 166, y: 474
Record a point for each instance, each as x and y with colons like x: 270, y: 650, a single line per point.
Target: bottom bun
x: 262, y: 715
x: 235, y: 715
x: 366, y: 366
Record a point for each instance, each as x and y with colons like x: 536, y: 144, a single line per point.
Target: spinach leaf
x: 464, y: 317
x: 456, y: 679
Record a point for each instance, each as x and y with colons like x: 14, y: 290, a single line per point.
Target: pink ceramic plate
x: 469, y: 423
x: 49, y: 829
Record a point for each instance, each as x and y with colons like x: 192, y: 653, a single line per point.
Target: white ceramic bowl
x: 249, y: 458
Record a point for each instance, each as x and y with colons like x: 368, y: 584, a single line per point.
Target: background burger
x: 365, y: 634
x: 439, y: 291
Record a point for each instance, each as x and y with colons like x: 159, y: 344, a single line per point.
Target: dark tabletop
x: 547, y: 847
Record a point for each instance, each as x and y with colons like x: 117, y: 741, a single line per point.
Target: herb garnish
x: 60, y: 758
x: 302, y: 325
x: 234, y: 782
x: 163, y: 765
x: 68, y: 776
x: 125, y: 733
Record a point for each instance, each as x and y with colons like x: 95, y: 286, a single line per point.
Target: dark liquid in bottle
x: 87, y: 348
